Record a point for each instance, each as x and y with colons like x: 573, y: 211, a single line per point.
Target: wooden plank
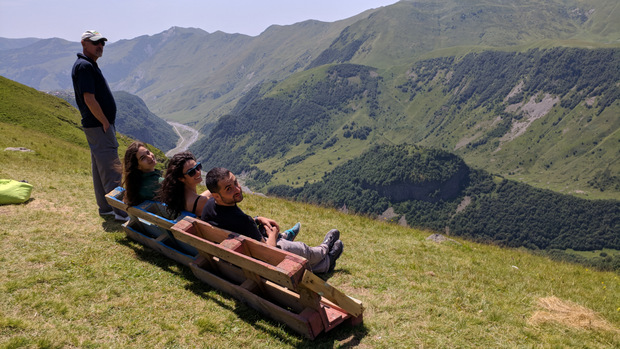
x: 298, y: 323
x: 247, y: 263
x: 265, y: 270
x: 115, y: 199
x: 159, y: 244
x: 255, y: 249
x: 322, y: 288
x: 149, y: 217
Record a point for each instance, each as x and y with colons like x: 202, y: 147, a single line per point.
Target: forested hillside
x: 528, y: 116
x: 266, y: 126
x: 435, y: 189
x: 533, y: 114
x: 136, y: 120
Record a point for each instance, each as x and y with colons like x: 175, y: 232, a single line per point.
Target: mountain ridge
x: 389, y: 36
x: 189, y: 75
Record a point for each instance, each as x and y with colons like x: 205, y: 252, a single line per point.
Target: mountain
x: 194, y: 76
x: 44, y: 64
x: 422, y: 28
x: 8, y: 44
x: 30, y: 118
x: 136, y: 120
x: 133, y: 118
x: 545, y: 117
x: 182, y: 73
x: 208, y: 79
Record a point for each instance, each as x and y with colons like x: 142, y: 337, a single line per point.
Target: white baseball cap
x: 93, y: 35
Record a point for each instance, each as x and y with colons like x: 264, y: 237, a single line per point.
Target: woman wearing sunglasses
x: 178, y: 189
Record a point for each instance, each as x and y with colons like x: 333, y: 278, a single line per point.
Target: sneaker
x: 334, y: 254
x: 110, y: 213
x: 120, y: 218
x: 291, y: 234
x: 331, y: 237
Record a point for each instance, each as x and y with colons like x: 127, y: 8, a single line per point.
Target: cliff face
x: 431, y: 191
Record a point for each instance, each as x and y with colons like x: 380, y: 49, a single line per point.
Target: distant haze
x: 119, y: 20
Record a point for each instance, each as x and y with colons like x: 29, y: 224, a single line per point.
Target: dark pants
x: 105, y: 164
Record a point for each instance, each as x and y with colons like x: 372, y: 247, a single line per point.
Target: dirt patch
x: 466, y: 201
x: 439, y: 238
x: 569, y: 314
x: 388, y: 214
x: 532, y: 111
x: 515, y: 90
x: 464, y: 141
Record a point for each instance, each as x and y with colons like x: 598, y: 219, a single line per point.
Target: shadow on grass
x: 146, y: 254
x: 110, y: 225
x: 346, y: 335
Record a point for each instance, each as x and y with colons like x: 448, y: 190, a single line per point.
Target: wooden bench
x: 150, y: 225
x: 277, y: 283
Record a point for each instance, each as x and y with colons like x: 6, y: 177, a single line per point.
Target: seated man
x: 222, y: 211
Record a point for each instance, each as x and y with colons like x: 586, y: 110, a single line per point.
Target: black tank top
x: 195, y: 204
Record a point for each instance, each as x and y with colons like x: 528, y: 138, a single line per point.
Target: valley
x: 187, y: 137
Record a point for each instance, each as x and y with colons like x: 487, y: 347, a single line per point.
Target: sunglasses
x: 98, y: 42
x: 192, y: 171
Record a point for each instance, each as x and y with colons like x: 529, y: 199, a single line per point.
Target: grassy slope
x: 72, y: 279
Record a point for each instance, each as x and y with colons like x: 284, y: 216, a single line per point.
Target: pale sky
x: 127, y: 19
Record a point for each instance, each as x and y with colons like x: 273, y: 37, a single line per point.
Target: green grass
x: 72, y: 279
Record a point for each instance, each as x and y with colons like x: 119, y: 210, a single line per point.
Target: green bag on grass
x: 14, y: 192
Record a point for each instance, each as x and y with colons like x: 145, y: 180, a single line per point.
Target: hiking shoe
x: 119, y: 218
x: 291, y: 234
x: 334, y: 254
x: 331, y: 237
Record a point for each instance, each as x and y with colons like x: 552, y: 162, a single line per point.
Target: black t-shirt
x: 87, y: 77
x: 230, y: 218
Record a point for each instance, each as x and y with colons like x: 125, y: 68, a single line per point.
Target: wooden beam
x: 322, y: 288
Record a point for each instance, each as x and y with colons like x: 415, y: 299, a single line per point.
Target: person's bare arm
x: 95, y: 108
x: 272, y: 236
x: 267, y: 222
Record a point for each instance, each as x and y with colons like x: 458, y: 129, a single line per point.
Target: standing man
x: 98, y: 109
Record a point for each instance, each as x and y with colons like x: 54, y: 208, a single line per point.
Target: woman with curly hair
x: 178, y: 189
x: 140, y: 178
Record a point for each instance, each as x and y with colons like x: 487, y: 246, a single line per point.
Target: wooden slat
x: 115, y: 199
x: 265, y: 270
x: 254, y: 248
x: 296, y: 322
x: 322, y: 288
x: 159, y: 244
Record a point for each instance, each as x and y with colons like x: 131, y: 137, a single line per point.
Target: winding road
x: 188, y: 136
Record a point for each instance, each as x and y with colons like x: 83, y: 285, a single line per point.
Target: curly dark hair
x: 132, y: 176
x: 172, y: 191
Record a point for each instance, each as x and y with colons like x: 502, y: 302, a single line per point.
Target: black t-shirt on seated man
x: 230, y: 218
